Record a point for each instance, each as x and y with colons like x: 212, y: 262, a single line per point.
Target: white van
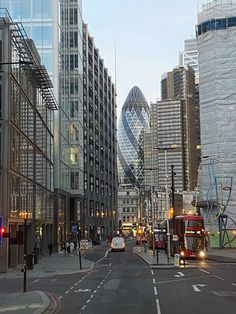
x: 118, y: 244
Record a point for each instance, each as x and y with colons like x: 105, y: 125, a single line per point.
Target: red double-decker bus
x: 190, y: 236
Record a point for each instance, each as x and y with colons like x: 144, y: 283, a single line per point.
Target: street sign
x: 74, y: 229
x: 175, y: 237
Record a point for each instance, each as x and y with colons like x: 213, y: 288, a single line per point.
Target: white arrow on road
x: 179, y: 274
x: 195, y: 287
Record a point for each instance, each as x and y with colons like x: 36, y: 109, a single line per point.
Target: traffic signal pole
x: 173, y: 201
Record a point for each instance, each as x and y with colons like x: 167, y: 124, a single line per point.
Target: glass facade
x: 133, y: 121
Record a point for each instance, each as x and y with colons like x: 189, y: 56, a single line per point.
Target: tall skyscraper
x: 216, y: 35
x: 179, y: 84
x: 190, y: 57
x: 133, y: 121
x: 56, y: 28
x: 100, y: 144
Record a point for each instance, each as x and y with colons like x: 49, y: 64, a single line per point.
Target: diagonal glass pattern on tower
x: 133, y: 121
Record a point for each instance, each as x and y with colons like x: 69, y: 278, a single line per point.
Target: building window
x: 123, y: 218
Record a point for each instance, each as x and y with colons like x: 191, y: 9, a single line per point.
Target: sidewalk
x: 214, y: 254
x: 37, y: 302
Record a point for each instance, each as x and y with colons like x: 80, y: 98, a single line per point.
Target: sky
x: 147, y: 36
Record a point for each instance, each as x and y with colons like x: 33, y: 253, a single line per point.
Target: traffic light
x: 171, y: 212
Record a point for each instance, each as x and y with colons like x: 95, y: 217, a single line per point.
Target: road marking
x: 234, y: 284
x: 179, y: 274
x: 91, y: 296
x: 79, y: 281
x: 67, y: 291
x: 153, y: 280
x: 60, y: 297
x: 83, y: 290
x: 55, y: 279
x: 88, y: 301
x: 195, y: 287
x: 98, y: 286
x: 158, y: 306
x: 219, y: 277
x: 95, y: 291
x: 184, y: 279
x: 71, y: 287
x: 36, y: 280
x: 83, y: 308
x: 155, y: 290
x: 76, y: 284
x: 152, y: 272
x: 205, y: 271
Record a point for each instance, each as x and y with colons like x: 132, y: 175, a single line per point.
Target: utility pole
x: 173, y: 199
x: 167, y: 208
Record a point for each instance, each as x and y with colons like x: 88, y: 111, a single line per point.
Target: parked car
x: 118, y: 244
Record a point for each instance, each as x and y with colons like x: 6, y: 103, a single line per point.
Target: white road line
x: 205, y: 271
x: 36, y: 280
x: 155, y: 290
x: 91, y: 296
x: 67, y: 291
x: 184, y: 279
x: 158, y: 306
x: 88, y: 301
x: 219, y: 277
x: 76, y: 284
x: 152, y: 272
x: 54, y: 279
x: 95, y: 291
x: 234, y: 284
x: 153, y: 280
x: 79, y: 281
x: 83, y: 307
x: 60, y: 297
x: 98, y: 286
x: 71, y: 287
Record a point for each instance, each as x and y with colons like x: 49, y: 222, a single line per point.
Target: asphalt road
x: 208, y: 288
x: 122, y: 283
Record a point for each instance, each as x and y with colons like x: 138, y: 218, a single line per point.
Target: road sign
x: 74, y: 229
x: 175, y: 237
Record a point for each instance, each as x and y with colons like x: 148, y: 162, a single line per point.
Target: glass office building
x: 133, y: 121
x: 56, y: 28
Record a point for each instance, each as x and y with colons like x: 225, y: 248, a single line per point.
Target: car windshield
x: 118, y: 240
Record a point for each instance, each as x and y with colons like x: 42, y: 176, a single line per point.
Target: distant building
x: 27, y: 142
x: 133, y: 121
x: 178, y: 85
x: 100, y: 144
x: 128, y: 207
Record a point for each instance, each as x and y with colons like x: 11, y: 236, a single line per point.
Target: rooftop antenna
x: 115, y: 69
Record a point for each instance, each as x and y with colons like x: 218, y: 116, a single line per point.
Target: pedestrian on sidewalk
x: 50, y: 247
x: 206, y: 244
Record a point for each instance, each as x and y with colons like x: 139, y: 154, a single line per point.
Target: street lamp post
x: 167, y: 207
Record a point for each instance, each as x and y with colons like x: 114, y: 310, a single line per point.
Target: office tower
x: 179, y: 84
x: 100, y: 144
x: 216, y: 35
x: 133, y: 121
x: 27, y: 191
x: 190, y: 57
x: 56, y: 28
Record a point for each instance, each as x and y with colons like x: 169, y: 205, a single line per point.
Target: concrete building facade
x: 100, y: 144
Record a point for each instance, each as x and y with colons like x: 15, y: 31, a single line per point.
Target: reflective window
x: 46, y: 58
x: 47, y: 35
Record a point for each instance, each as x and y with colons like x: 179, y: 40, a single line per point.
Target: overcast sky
x: 148, y: 35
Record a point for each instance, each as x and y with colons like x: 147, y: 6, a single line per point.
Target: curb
x: 46, y: 303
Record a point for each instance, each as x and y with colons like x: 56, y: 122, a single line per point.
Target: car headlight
x: 202, y: 254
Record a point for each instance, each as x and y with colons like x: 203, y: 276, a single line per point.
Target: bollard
x: 176, y: 260
x: 157, y: 257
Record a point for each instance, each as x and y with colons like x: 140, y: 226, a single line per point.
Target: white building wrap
x: 216, y: 34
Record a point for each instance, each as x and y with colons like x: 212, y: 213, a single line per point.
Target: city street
x: 123, y: 282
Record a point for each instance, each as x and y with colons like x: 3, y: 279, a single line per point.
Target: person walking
x: 50, y: 247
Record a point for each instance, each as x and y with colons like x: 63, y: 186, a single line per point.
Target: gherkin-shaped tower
x: 133, y: 121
